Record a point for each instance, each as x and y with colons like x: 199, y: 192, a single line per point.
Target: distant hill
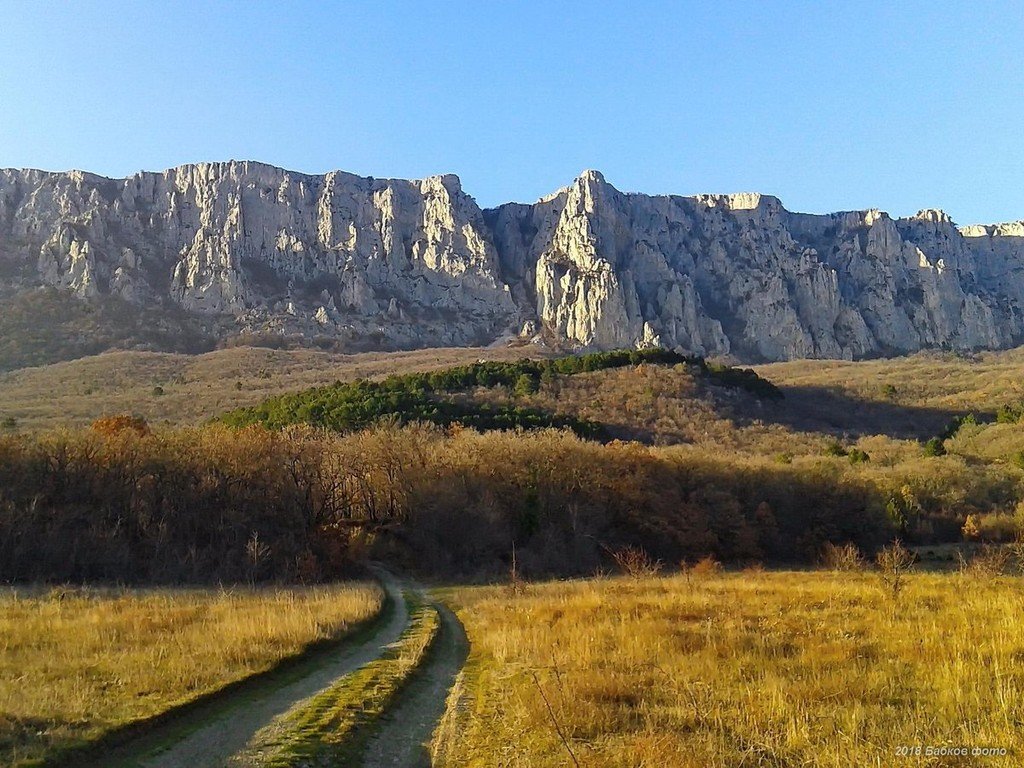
x: 912, y: 397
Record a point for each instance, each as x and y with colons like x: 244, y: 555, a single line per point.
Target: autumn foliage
x: 120, y: 502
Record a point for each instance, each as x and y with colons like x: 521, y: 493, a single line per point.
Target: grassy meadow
x: 752, y: 668
x: 77, y: 663
x: 189, y: 389
x: 693, y: 462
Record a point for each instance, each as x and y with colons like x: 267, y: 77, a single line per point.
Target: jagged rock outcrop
x: 740, y: 274
x: 367, y: 263
x: 405, y: 263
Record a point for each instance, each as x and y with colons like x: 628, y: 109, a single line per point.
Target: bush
x: 894, y: 563
x: 935, y: 447
x: 993, y: 527
x: 1010, y: 414
x: 111, y: 426
x: 986, y: 563
x: 705, y: 567
x: 427, y: 397
x: 743, y: 378
x: 835, y: 448
x: 857, y: 456
x: 123, y: 502
x: 843, y: 557
x: 635, y: 562
x: 903, y: 510
x: 8, y: 423
x: 526, y: 385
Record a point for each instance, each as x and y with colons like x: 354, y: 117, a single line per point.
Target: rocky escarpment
x: 740, y: 274
x: 389, y: 262
x: 370, y: 263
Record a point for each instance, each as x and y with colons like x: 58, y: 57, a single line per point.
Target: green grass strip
x: 332, y: 727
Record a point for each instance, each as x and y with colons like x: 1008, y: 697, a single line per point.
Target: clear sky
x: 829, y: 105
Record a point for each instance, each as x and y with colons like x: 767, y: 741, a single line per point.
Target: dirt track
x: 401, y: 739
x: 212, y: 744
x: 405, y: 733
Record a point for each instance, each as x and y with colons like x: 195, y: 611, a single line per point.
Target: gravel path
x: 213, y: 743
x: 403, y: 738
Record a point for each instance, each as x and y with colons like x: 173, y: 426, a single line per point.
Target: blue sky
x: 828, y: 105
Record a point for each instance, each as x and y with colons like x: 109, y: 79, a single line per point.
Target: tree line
x: 121, y: 502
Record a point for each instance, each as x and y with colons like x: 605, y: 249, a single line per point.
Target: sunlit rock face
x: 393, y: 263
x: 740, y: 274
x: 409, y: 262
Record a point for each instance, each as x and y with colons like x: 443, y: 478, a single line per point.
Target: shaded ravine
x: 402, y: 739
x: 212, y: 744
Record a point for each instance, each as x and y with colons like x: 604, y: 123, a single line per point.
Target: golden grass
x: 75, y: 664
x: 926, y: 379
x: 742, y: 669
x: 198, y: 387
x: 332, y: 727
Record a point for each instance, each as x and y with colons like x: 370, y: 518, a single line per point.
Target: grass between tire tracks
x: 332, y: 727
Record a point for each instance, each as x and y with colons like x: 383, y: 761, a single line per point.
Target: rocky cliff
x: 380, y: 263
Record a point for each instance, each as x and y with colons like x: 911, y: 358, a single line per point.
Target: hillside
x: 913, y: 397
x: 193, y: 388
x: 561, y: 460
x: 199, y: 256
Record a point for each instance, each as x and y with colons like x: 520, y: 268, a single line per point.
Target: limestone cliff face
x: 405, y: 262
x: 740, y: 274
x: 366, y: 262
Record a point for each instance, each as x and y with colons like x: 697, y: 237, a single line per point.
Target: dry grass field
x: 904, y: 397
x: 77, y: 663
x: 746, y: 668
x: 187, y: 389
x: 927, y: 380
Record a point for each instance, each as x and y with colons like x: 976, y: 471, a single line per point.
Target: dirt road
x: 403, y: 738
x: 212, y: 743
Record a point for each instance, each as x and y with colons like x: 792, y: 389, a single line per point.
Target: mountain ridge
x: 247, y: 248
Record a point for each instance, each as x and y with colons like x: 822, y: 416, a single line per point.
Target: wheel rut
x: 229, y: 729
x: 403, y: 735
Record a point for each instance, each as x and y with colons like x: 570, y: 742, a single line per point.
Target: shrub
x: 986, y: 563
x: 526, y: 385
x: 110, y: 426
x: 835, y: 448
x: 1016, y: 548
x: 118, y: 502
x: 903, y: 510
x: 858, y: 456
x: 1010, y: 414
x: 743, y: 378
x: 635, y: 562
x: 935, y: 447
x: 894, y: 563
x: 993, y: 526
x: 705, y: 567
x: 843, y: 557
x: 8, y: 423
